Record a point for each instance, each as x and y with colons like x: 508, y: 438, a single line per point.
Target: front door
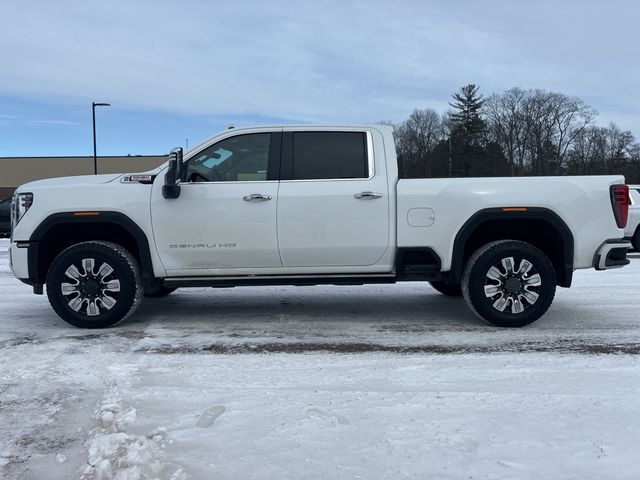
x: 225, y: 217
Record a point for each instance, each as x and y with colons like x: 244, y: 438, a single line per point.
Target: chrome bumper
x: 612, y: 254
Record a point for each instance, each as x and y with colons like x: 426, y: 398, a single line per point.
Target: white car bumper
x: 19, y: 260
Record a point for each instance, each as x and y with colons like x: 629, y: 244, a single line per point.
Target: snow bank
x: 115, y: 453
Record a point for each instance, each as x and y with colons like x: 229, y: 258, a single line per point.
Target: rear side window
x: 329, y: 155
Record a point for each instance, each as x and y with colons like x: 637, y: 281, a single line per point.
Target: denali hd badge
x: 203, y: 245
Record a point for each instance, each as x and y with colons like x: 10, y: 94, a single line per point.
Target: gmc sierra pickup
x: 309, y: 205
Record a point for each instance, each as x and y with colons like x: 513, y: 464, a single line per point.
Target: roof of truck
x: 309, y: 125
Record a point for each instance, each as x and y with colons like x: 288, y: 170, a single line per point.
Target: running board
x: 243, y: 281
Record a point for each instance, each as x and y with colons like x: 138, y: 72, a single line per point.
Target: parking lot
x: 379, y: 381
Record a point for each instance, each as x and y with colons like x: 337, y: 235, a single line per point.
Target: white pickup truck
x: 310, y: 205
x: 632, y: 231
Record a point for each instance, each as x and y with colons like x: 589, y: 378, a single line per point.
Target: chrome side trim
x: 282, y: 277
x: 258, y: 280
x: 237, y: 182
x: 370, y: 156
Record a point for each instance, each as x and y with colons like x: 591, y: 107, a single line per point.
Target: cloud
x: 311, y: 61
x: 48, y: 123
x: 6, y: 119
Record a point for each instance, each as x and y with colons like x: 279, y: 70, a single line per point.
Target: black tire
x: 446, y: 288
x: 102, y: 284
x: 520, y: 289
x: 635, y: 241
x: 160, y: 292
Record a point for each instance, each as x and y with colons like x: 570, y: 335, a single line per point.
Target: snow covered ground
x: 391, y: 381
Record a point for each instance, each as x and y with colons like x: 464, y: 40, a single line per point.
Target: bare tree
x: 587, y: 155
x: 617, y: 147
x: 571, y: 117
x: 415, y: 139
x: 632, y: 171
x: 507, y: 126
x: 537, y: 128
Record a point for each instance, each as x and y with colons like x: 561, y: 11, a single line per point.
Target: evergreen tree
x: 466, y: 118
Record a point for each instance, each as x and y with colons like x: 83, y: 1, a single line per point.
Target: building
x: 14, y: 171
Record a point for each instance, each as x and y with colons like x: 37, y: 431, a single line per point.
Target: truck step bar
x: 256, y: 280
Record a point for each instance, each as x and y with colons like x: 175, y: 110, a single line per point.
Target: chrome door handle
x: 256, y: 197
x: 367, y: 195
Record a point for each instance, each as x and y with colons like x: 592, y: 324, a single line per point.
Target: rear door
x: 333, y: 201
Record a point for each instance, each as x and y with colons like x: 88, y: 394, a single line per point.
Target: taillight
x: 620, y: 204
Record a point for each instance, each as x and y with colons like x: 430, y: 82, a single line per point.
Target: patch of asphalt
x: 566, y: 347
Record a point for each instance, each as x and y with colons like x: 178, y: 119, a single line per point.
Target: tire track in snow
x: 561, y: 346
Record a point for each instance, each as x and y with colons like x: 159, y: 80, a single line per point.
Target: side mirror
x: 171, y: 189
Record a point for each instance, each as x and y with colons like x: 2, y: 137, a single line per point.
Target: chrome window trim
x: 370, y: 161
x: 235, y: 132
x: 230, y: 182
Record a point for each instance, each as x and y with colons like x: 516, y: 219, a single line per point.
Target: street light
x: 93, y: 111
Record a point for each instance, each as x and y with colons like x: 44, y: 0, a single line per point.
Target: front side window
x: 243, y: 158
x: 329, y: 155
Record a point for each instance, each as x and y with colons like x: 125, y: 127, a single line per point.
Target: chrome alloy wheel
x: 91, y: 290
x: 507, y: 287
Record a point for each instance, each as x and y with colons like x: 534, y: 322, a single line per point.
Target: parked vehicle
x: 5, y: 217
x: 310, y: 205
x: 632, y: 232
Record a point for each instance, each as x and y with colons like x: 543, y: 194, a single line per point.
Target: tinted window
x: 329, y: 155
x: 234, y: 159
x: 5, y: 207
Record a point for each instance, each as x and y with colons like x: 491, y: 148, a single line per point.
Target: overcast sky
x: 184, y: 70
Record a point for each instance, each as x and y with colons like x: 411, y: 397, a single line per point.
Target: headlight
x: 20, y: 204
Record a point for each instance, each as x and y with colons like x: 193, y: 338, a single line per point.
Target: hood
x: 79, y: 180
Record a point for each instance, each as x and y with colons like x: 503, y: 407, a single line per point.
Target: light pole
x: 93, y: 111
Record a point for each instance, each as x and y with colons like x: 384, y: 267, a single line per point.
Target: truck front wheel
x: 509, y: 283
x: 94, y: 284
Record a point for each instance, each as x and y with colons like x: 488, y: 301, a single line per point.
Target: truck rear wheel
x: 635, y: 241
x: 446, y: 288
x: 509, y: 283
x: 94, y: 284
